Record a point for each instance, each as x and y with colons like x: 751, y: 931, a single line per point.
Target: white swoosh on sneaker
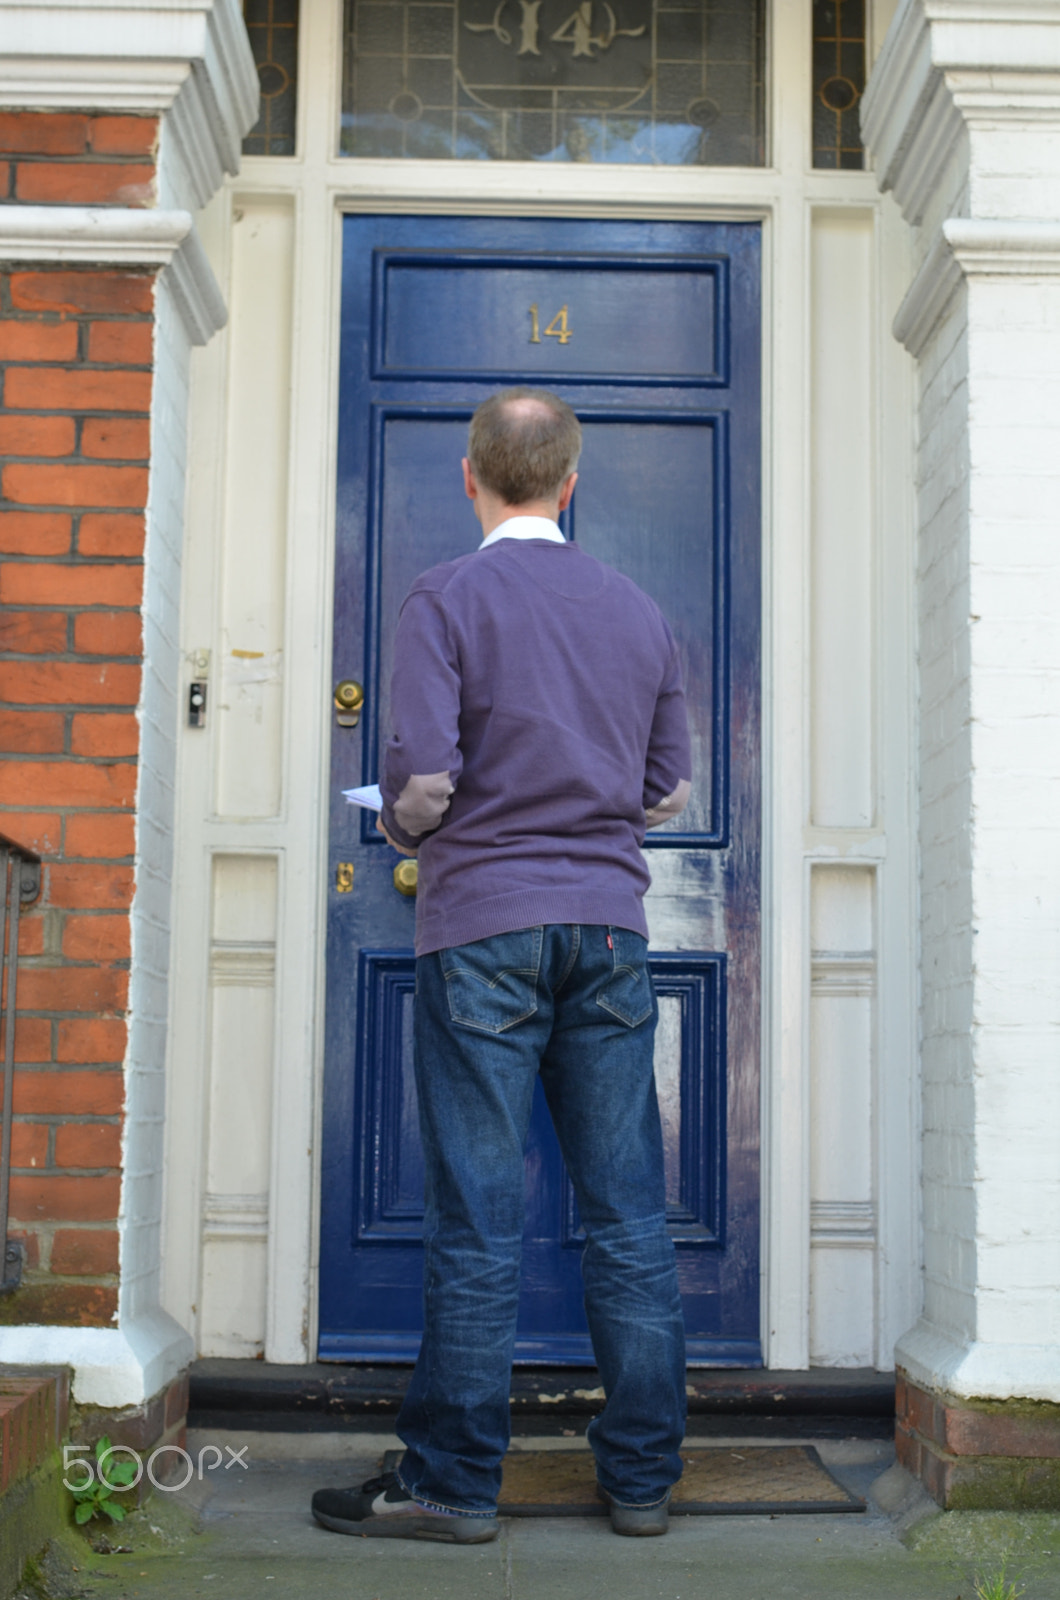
x: 382, y: 1507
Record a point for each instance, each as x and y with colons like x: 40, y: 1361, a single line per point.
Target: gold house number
x: 557, y: 328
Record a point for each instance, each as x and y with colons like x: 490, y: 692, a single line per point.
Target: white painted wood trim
x: 188, y: 1034
x: 134, y: 55
x: 785, y: 1185
x: 470, y: 188
x: 782, y: 197
x: 123, y: 237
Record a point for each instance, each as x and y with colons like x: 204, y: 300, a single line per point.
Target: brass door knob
x: 406, y: 876
x: 349, y: 699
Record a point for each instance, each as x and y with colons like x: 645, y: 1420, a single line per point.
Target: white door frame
x: 320, y: 189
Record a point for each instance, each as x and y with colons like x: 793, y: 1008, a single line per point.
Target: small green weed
x: 109, y: 1476
x: 997, y: 1586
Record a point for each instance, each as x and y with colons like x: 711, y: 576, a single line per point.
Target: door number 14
x: 557, y: 328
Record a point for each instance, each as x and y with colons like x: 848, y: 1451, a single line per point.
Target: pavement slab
x: 246, y: 1533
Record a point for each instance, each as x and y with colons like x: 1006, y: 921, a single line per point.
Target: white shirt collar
x: 525, y: 528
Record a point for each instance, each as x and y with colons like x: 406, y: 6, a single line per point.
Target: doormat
x: 758, y: 1481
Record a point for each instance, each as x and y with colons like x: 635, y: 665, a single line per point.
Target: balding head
x: 523, y: 445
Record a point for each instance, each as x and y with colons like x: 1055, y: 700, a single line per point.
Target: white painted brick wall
x: 989, y: 665
x: 1014, y: 171
x: 989, y: 601
x: 141, y: 1208
x: 945, y: 809
x: 1014, y: 591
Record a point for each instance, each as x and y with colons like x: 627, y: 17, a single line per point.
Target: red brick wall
x: 979, y: 1455
x: 75, y: 395
x: 52, y: 158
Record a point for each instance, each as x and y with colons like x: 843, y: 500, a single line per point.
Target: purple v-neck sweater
x: 539, y: 727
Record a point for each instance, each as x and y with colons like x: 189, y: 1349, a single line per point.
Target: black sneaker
x: 638, y: 1521
x: 382, y: 1508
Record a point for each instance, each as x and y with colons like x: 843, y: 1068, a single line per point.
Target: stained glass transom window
x: 838, y: 80
x: 663, y: 82
x: 272, y: 27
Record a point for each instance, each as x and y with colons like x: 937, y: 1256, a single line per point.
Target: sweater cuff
x: 407, y: 841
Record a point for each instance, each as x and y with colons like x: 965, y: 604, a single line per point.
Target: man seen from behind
x: 539, y: 728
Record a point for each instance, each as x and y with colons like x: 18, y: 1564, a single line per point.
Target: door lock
x: 406, y: 876
x: 349, y: 700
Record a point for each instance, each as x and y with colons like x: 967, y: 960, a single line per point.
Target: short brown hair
x: 524, y: 451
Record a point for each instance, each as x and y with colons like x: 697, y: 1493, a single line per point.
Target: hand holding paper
x: 368, y: 796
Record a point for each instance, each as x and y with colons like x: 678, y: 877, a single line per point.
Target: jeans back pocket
x: 627, y: 993
x: 491, y: 985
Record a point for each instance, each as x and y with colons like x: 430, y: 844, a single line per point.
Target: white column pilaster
x: 963, y: 117
x: 187, y: 62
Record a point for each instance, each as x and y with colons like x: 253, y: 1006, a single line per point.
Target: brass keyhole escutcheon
x: 406, y: 876
x: 349, y: 700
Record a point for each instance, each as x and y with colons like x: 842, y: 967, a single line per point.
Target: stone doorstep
x: 34, y: 1412
x: 246, y: 1393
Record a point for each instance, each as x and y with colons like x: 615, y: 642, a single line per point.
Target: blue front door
x: 651, y: 332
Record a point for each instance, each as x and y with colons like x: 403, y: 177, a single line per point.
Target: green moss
x: 31, y: 1513
x: 1047, y: 1411
x: 1030, y: 1538
x: 1001, y: 1482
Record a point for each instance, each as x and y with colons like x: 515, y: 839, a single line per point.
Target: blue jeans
x: 575, y: 1004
